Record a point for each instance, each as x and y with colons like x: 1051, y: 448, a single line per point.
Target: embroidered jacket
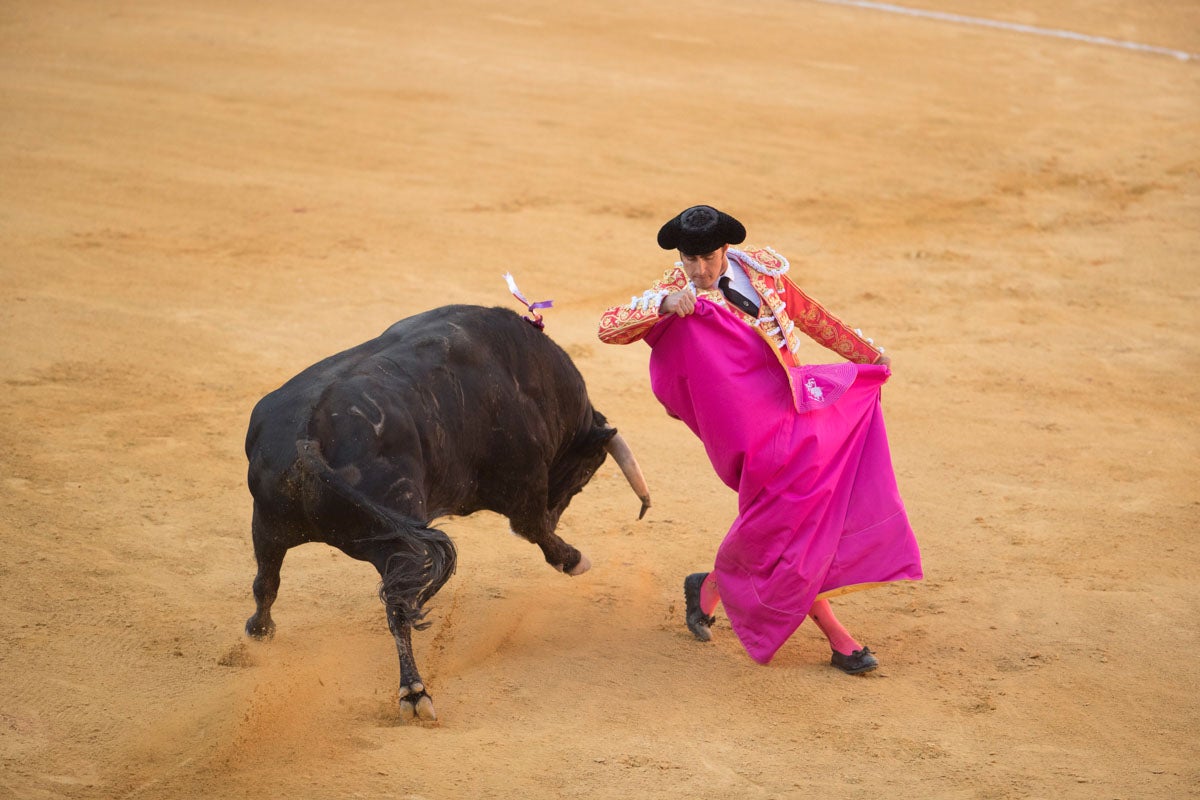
x: 785, y: 310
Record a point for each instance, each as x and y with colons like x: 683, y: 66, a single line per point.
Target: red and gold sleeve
x: 826, y: 329
x: 630, y: 322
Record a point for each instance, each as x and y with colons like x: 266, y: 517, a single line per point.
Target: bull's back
x: 467, y: 375
x: 491, y: 390
x: 491, y: 352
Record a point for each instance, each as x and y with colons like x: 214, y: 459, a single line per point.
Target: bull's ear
x: 601, y: 432
x: 602, y: 435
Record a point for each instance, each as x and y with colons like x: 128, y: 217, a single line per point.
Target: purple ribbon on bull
x: 536, y: 320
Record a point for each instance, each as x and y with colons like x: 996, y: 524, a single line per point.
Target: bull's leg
x: 560, y: 555
x: 399, y: 590
x: 413, y: 563
x: 415, y: 702
x: 269, y: 555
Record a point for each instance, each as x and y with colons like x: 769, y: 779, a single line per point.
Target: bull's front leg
x: 539, y: 529
x: 414, y: 700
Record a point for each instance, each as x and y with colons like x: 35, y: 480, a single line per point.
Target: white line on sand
x: 1015, y: 26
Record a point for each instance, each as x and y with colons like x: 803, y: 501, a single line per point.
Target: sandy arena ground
x: 199, y: 199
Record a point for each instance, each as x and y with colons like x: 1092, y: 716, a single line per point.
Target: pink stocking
x: 709, y: 596
x: 839, y: 638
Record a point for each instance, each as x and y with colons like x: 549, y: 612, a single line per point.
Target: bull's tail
x: 419, y: 559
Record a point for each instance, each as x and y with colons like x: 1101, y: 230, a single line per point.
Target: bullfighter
x: 803, y: 445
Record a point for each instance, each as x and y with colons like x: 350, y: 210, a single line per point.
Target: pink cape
x: 818, y: 506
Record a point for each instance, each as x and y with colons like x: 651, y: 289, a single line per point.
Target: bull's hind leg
x: 415, y: 702
x: 414, y: 562
x: 269, y: 555
x: 404, y: 575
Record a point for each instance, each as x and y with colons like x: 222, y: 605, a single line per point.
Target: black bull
x: 452, y: 411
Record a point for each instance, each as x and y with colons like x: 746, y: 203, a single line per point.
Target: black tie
x: 737, y: 298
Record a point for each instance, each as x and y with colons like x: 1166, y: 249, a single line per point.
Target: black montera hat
x: 700, y: 230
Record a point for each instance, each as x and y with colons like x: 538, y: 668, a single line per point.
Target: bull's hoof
x: 260, y: 629
x: 416, y: 704
x: 583, y: 566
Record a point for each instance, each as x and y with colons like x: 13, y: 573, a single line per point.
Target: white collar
x: 739, y: 281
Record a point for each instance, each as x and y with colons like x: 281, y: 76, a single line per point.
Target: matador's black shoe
x: 856, y: 662
x: 697, y: 621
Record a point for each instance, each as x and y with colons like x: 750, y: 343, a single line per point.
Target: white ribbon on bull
x: 536, y: 321
x: 616, y: 447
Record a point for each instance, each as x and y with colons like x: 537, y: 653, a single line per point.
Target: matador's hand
x: 680, y: 303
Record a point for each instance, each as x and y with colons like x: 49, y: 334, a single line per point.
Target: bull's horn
x: 619, y: 450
